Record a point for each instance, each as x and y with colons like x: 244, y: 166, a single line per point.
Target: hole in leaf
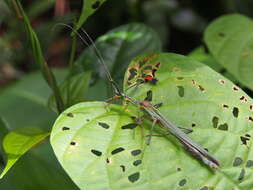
x: 201, y: 88
x: 182, y: 182
x: 137, y: 162
x: 134, y: 177
x: 222, y: 81
x: 247, y: 135
x: 129, y: 126
x: 149, y: 96
x: 136, y: 152
x: 242, y: 174
x: 244, y: 140
x: 87, y: 120
x: 180, y: 91
x: 221, y: 34
x: 133, y: 73
x: 123, y: 168
x: 204, y: 188
x: 223, y: 127
x: 95, y: 5
x: 96, y: 152
x: 179, y: 169
x: 235, y: 88
x: 104, y: 125
x: 153, y: 72
x: 250, y: 118
x: 251, y: 107
x: 141, y: 63
x: 215, y: 121
x: 157, y: 64
x: 243, y: 99
x: 235, y: 112
x: 237, y: 161
x: 73, y: 143
x: 224, y: 105
x: 65, y: 128
x: 249, y: 163
x: 70, y: 114
x: 118, y: 150
x: 193, y: 124
x: 108, y: 160
x: 148, y: 67
x: 180, y: 78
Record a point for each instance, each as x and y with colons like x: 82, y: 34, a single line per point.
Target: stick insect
x: 191, y: 146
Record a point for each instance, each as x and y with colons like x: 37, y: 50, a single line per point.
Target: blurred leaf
x: 39, y: 7
x: 230, y: 41
x: 25, y: 104
x: 200, y: 55
x: 118, y: 47
x: 3, y: 132
x: 16, y: 143
x: 89, y: 7
x: 4, y: 11
x: 37, y: 169
x: 39, y: 59
x: 29, y: 97
x: 158, y: 20
x: 73, y: 90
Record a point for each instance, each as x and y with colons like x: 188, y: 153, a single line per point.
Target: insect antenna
x: 98, y: 54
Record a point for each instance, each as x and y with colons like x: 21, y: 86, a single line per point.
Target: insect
x: 191, y: 146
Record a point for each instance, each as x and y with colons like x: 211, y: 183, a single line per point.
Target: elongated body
x: 191, y: 146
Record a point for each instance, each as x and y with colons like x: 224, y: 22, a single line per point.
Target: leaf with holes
x: 220, y: 114
x: 18, y: 142
x: 229, y: 39
x: 103, y: 146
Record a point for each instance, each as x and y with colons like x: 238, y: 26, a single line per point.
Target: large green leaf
x: 18, y: 142
x: 230, y: 40
x: 97, y: 143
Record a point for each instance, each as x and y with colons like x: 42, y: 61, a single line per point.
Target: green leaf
x: 38, y: 56
x: 220, y: 114
x: 229, y: 39
x: 89, y: 7
x: 73, y: 90
x: 118, y: 47
x: 29, y: 97
x: 17, y: 143
x: 102, y: 147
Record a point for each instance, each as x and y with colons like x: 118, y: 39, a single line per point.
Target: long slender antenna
x: 97, y: 52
